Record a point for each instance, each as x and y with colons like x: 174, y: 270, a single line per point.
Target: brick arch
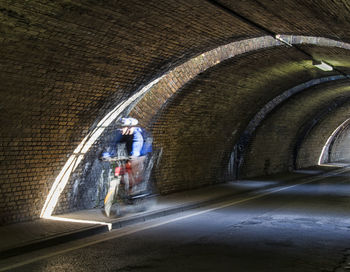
x: 175, y: 79
x: 286, y: 127
x: 237, y: 157
x: 314, y: 149
x: 338, y: 148
x: 309, y: 127
x: 153, y: 98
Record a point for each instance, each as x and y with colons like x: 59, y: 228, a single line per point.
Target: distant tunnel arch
x: 316, y: 147
x: 276, y: 142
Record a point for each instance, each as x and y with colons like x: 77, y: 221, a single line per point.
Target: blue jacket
x: 137, y: 144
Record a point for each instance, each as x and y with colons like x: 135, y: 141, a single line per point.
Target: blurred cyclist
x: 135, y: 142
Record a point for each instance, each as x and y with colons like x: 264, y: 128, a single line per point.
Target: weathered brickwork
x: 316, y: 18
x: 157, y: 97
x: 238, y: 154
x: 167, y: 180
x: 174, y: 80
x: 199, y: 127
x: 171, y: 82
x: 273, y: 145
x: 64, y: 65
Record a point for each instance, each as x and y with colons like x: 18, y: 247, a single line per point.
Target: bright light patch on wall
x: 280, y: 38
x: 321, y: 65
x: 326, y: 146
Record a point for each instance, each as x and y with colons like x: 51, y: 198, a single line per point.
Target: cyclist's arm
x: 137, y: 143
x: 117, y: 138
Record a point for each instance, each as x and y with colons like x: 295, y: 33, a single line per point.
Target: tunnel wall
x: 80, y: 191
x: 199, y: 101
x: 162, y: 130
x: 198, y: 127
x: 313, y: 143
x: 66, y: 64
x: 170, y: 182
x: 272, y: 148
x: 339, y: 150
x: 238, y: 153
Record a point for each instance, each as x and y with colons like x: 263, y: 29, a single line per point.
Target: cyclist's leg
x: 129, y: 177
x: 137, y: 173
x: 111, y: 194
x: 126, y: 182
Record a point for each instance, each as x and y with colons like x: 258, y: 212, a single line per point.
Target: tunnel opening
x: 337, y: 147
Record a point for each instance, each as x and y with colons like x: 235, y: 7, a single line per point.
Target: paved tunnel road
x: 299, y: 228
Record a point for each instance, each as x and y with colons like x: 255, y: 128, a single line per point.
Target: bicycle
x: 133, y: 190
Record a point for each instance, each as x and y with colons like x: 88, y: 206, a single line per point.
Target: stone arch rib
x: 240, y: 147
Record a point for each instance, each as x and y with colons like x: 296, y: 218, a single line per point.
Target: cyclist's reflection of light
x: 83, y: 147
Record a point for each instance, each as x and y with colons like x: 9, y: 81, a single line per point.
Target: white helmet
x: 128, y: 122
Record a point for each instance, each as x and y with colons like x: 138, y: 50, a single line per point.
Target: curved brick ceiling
x: 65, y: 65
x: 316, y: 18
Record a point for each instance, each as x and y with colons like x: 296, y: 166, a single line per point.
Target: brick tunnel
x: 228, y: 89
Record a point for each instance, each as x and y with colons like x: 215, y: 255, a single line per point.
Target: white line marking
x: 136, y: 228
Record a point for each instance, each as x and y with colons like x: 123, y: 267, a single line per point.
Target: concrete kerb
x: 147, y: 216
x: 116, y: 224
x: 52, y: 241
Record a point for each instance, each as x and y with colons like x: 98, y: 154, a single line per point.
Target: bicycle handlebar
x: 119, y: 158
